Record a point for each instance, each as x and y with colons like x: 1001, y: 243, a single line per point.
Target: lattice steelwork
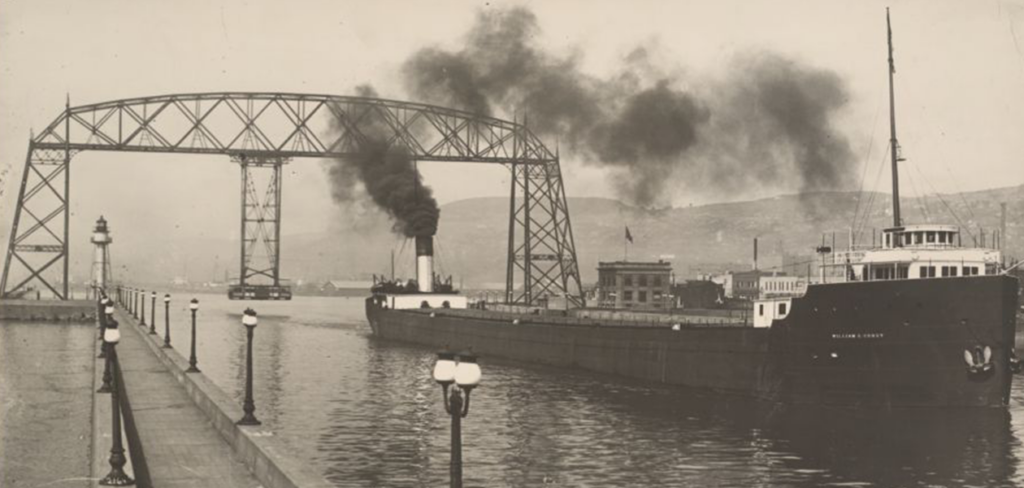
x: 286, y: 125
x: 543, y: 256
x: 261, y: 220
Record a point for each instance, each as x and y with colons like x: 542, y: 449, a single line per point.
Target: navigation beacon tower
x: 101, y: 274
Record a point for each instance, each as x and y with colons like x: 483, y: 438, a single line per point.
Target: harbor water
x: 365, y: 412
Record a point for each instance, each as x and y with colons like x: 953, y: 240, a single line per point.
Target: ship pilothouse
x: 907, y: 252
x: 924, y: 251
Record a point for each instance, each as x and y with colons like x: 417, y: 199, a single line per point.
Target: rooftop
x: 635, y: 265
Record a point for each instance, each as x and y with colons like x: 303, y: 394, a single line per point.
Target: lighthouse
x: 101, y: 256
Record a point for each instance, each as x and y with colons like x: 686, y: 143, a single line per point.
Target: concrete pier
x: 179, y: 429
x: 181, y: 447
x: 255, y: 447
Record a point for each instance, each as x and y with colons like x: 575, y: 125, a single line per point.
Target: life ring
x: 979, y: 360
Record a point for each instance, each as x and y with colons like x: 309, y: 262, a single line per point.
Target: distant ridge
x: 473, y: 234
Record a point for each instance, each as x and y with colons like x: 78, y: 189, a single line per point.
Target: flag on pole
x: 629, y: 237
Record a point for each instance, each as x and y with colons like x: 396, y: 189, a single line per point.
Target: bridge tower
x: 260, y: 255
x: 541, y: 261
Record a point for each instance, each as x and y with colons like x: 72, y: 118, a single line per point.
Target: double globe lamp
x: 464, y: 372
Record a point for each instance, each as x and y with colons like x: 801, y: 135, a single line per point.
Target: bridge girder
x: 287, y: 126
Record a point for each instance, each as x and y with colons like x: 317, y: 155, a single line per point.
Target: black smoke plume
x: 774, y: 126
x: 768, y: 123
x: 646, y: 139
x: 386, y: 173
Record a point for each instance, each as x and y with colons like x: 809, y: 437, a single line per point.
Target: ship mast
x: 893, y: 143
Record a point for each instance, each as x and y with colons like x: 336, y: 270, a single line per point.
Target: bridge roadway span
x: 186, y: 424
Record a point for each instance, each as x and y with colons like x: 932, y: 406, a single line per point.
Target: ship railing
x: 641, y: 322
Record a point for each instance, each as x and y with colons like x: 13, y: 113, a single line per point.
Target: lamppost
x: 249, y: 321
x: 465, y: 373
x: 117, y: 476
x: 102, y: 319
x: 152, y: 314
x: 108, y: 311
x: 142, y: 317
x: 167, y: 321
x: 101, y: 300
x: 104, y: 303
x: 194, y: 307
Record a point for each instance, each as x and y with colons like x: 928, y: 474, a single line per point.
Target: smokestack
x: 425, y: 263
x: 1002, y: 226
x: 755, y: 254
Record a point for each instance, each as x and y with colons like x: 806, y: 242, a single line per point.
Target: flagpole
x: 626, y: 240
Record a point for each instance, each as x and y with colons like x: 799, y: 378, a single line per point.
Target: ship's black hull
x: 880, y: 344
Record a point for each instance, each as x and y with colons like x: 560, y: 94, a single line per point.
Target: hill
x: 473, y: 234
x: 472, y: 238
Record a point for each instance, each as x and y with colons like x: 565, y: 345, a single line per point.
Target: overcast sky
x: 960, y: 74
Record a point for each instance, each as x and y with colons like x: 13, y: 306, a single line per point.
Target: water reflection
x: 367, y: 413
x: 384, y: 429
x: 269, y: 371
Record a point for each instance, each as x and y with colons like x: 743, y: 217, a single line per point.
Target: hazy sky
x: 960, y: 74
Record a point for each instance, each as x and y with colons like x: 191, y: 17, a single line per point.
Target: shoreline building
x: 634, y: 285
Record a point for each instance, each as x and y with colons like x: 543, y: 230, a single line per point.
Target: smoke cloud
x: 387, y: 174
x: 768, y: 122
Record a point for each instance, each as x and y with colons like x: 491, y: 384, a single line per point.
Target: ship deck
x: 589, y: 318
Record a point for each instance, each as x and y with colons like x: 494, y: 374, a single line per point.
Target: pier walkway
x: 178, y: 428
x: 181, y: 446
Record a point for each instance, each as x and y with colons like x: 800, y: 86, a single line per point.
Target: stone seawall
x: 83, y: 311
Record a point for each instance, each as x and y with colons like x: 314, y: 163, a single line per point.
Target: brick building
x: 637, y: 285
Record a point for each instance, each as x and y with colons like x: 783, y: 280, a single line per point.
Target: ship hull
x: 882, y: 344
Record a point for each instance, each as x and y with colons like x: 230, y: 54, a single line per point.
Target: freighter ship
x: 919, y: 321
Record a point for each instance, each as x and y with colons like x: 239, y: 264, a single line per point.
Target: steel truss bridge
x: 262, y: 131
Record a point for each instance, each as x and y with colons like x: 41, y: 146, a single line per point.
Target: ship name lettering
x: 859, y: 335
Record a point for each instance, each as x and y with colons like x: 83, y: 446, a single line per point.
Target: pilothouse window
x: 885, y: 272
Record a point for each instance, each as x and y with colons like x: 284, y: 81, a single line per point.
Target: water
x: 365, y: 412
